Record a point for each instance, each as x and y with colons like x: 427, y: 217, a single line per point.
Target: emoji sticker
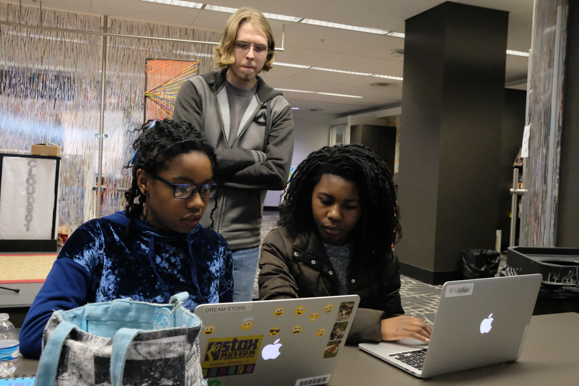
x: 314, y: 316
x: 208, y: 330
x: 247, y: 323
x: 279, y: 311
x: 300, y: 310
x: 274, y: 331
x: 328, y: 308
x: 297, y: 329
x: 321, y: 331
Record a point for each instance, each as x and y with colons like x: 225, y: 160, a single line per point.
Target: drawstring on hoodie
x: 192, y: 266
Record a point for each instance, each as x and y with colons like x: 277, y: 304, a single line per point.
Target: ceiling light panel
x: 339, y: 95
x: 518, y: 53
x: 387, y: 77
x: 178, y: 3
x: 344, y: 26
x: 340, y: 71
x: 218, y: 8
x: 301, y: 91
x: 282, y: 17
x: 291, y: 65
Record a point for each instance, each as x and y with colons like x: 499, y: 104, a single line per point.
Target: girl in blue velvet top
x: 153, y: 249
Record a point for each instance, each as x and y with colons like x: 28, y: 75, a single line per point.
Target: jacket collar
x: 216, y: 80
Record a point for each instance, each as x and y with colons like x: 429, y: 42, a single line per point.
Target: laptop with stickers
x: 289, y: 342
x: 479, y: 322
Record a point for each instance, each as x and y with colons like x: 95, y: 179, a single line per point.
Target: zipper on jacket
x: 249, y: 121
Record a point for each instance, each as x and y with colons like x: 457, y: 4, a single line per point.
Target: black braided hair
x: 158, y: 144
x: 378, y: 228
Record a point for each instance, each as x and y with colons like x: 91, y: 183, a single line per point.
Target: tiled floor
x: 418, y: 299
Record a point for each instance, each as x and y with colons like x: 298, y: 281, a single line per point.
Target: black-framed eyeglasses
x: 258, y: 49
x: 185, y: 191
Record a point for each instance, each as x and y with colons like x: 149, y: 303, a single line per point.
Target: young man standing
x: 250, y: 125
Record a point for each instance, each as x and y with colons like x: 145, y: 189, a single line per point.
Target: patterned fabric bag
x: 122, y: 342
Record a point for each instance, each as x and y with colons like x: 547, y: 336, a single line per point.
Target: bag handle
x: 121, y: 341
x: 48, y: 365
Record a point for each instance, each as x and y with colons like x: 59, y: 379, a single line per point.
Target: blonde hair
x: 223, y: 55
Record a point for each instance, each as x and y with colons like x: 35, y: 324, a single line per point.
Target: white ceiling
x: 325, y: 47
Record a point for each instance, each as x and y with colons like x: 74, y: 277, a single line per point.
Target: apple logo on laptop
x: 271, y: 351
x: 485, y: 326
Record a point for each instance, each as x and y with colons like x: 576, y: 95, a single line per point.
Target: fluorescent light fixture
x: 518, y: 53
x: 179, y: 3
x: 295, y: 108
x: 338, y: 95
x: 218, y: 8
x: 387, y: 77
x: 396, y: 34
x: 289, y: 90
x: 344, y: 26
x: 340, y: 71
x: 290, y: 65
x: 282, y: 17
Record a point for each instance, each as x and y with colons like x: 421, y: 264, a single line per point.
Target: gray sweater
x: 259, y: 160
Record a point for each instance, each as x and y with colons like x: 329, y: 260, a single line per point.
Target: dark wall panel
x: 568, y: 214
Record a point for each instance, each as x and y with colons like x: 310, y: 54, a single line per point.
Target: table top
x: 549, y: 357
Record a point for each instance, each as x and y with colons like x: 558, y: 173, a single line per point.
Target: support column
x: 450, y: 140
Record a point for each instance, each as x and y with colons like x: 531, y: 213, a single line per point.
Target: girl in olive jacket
x: 338, y: 226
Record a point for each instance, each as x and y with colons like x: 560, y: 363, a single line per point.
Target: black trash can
x: 479, y: 263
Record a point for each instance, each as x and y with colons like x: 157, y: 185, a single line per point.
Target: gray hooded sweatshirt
x: 244, y: 174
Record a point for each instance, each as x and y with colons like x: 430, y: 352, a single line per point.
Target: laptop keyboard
x: 414, y: 358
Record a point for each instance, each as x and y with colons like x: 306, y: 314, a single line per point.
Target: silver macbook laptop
x: 479, y: 322
x: 290, y: 342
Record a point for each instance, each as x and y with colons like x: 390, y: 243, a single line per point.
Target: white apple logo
x: 271, y: 351
x: 485, y: 326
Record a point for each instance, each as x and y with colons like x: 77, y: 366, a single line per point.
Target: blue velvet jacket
x: 105, y: 259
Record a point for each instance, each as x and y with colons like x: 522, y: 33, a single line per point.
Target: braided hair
x: 158, y: 143
x: 378, y: 227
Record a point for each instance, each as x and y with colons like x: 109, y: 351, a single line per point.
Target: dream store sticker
x: 279, y: 311
x: 328, y: 308
x: 300, y: 310
x: 332, y: 349
x: 246, y: 324
x: 314, y: 316
x: 297, y: 329
x: 321, y: 331
x: 274, y: 331
x: 345, y: 311
x: 208, y: 330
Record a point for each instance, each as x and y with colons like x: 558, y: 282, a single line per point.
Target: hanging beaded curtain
x: 49, y: 93
x: 545, y: 115
x: 126, y: 87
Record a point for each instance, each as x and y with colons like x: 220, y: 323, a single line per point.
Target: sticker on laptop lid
x: 223, y: 353
x: 300, y: 310
x: 338, y: 330
x: 328, y: 308
x: 332, y: 349
x: 319, y: 380
x: 279, y: 311
x: 246, y: 324
x: 463, y: 289
x: 208, y: 330
x: 314, y: 316
x: 227, y: 308
x: 345, y: 310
